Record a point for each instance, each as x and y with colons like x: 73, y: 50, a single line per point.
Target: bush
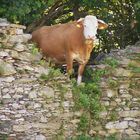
x: 23, y: 12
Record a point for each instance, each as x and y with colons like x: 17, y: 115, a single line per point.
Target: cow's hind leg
x: 69, y: 61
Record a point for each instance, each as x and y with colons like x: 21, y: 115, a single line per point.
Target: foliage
x: 23, y: 12
x: 83, y: 124
x: 87, y: 96
x: 3, y: 136
x: 83, y: 100
x: 84, y: 137
x: 134, y: 68
x: 134, y: 85
x: 111, y: 137
x: 137, y: 11
x: 34, y: 49
x: 42, y: 62
x: 113, y: 115
x: 111, y: 62
x: 53, y: 73
x: 91, y: 76
x: 112, y: 83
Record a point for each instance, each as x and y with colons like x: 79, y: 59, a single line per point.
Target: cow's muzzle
x: 91, y: 37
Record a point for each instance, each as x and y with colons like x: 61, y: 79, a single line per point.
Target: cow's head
x: 91, y: 24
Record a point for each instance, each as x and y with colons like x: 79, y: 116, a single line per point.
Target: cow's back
x: 55, y: 41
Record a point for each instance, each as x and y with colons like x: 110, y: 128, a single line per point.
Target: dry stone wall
x: 31, y: 109
x: 121, y: 93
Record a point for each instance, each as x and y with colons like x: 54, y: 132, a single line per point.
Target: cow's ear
x: 80, y: 22
x: 102, y: 25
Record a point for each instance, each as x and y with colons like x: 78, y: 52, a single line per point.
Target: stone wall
x: 31, y: 109
x: 121, y: 94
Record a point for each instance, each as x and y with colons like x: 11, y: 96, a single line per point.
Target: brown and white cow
x: 65, y: 43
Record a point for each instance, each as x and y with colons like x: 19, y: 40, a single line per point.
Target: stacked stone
x: 30, y: 109
x: 11, y: 34
x: 122, y: 98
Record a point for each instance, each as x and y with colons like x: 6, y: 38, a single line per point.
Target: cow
x: 69, y: 42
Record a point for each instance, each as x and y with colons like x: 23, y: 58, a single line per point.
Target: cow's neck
x: 89, y: 41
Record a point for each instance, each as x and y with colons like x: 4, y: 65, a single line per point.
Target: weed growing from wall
x: 84, y: 123
x: 34, y: 49
x: 112, y: 83
x: 113, y: 63
x: 87, y: 98
x: 134, y: 68
x: 53, y: 73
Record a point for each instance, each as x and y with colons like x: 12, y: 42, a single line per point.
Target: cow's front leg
x: 80, y: 73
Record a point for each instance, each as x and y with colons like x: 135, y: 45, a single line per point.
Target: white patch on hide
x: 79, y: 79
x: 90, y: 27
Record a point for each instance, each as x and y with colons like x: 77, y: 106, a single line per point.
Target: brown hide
x: 64, y: 43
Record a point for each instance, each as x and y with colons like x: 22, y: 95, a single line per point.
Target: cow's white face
x: 90, y: 27
x: 91, y: 24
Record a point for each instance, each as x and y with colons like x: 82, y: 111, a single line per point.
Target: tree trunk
x: 56, y: 10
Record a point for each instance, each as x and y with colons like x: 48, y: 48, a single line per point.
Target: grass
x: 134, y: 68
x: 82, y: 137
x: 112, y: 83
x: 111, y: 137
x: 87, y: 97
x: 113, y: 115
x: 3, y: 136
x: 42, y: 62
x: 85, y: 137
x: 91, y: 76
x: 81, y: 97
x: 84, y: 123
x: 111, y: 62
x: 134, y: 84
x: 34, y: 49
x: 53, y: 73
x: 135, y: 56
